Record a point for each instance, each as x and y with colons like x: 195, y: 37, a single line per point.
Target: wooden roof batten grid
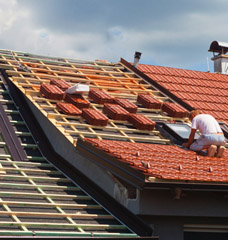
x: 34, y: 190
x: 98, y: 75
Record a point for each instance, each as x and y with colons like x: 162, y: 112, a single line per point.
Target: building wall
x: 192, y: 203
x: 177, y: 228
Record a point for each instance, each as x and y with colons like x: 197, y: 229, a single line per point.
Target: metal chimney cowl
x: 220, y: 60
x: 136, y: 58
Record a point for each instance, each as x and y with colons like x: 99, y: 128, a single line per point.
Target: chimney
x: 220, y: 59
x: 136, y: 58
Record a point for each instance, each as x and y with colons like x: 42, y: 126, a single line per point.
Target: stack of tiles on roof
x: 94, y: 117
x: 51, y: 91
x: 68, y: 109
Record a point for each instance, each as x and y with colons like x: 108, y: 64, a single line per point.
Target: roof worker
x: 211, y: 138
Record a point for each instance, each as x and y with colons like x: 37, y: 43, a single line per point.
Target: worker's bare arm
x: 190, y: 139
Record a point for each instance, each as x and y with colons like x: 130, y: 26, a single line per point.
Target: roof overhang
x: 112, y: 164
x: 138, y: 179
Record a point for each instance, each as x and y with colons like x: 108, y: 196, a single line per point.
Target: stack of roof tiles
x: 51, y: 91
x: 94, y: 117
x: 77, y: 100
x: 148, y: 101
x: 141, y: 122
x: 68, y: 108
x: 63, y: 85
x: 174, y: 110
x: 115, y: 111
x: 207, y: 92
x: 100, y: 96
x: 126, y: 104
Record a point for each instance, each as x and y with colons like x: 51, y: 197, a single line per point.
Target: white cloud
x: 10, y: 13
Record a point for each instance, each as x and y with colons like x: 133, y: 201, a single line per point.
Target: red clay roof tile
x: 161, y: 161
x: 205, y: 91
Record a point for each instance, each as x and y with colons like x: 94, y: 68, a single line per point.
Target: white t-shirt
x: 206, y: 124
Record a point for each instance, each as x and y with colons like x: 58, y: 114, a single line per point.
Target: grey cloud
x: 97, y: 14
x: 172, y: 33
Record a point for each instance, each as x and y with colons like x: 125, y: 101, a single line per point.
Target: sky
x: 172, y: 33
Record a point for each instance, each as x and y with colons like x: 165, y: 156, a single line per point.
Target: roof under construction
x: 37, y: 198
x: 111, y: 84
x: 125, y: 134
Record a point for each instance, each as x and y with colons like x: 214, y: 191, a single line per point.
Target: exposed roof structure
x: 37, y: 199
x: 110, y: 83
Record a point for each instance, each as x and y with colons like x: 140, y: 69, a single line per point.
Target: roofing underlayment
x: 119, y: 114
x: 36, y: 198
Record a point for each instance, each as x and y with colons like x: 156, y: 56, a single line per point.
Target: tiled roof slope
x: 107, y: 81
x: 201, y: 90
x: 37, y: 199
x: 167, y: 162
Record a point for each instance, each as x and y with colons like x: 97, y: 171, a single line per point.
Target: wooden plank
x: 29, y: 186
x: 4, y: 156
x: 31, y: 170
x: 66, y: 75
x: 109, y: 136
x: 30, y: 164
x: 43, y: 195
x: 6, y: 101
x: 23, y: 133
x: 50, y: 233
x: 60, y: 61
x: 42, y: 204
x: 106, y: 127
x: 55, y: 215
x: 45, y: 178
x: 36, y: 158
x: 63, y: 225
x: 74, y: 80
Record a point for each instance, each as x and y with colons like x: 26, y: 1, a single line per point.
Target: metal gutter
x: 189, y: 186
